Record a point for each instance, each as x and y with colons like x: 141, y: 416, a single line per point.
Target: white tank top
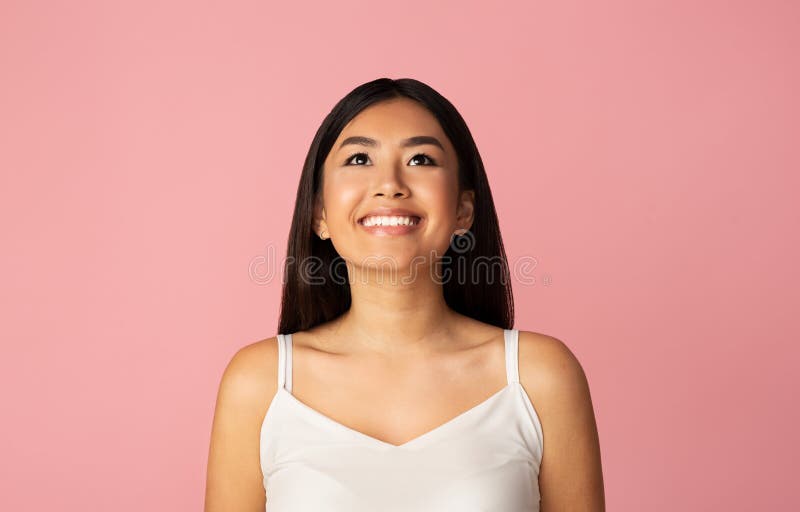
x: 485, y: 459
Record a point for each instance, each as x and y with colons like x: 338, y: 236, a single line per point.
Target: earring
x: 324, y: 235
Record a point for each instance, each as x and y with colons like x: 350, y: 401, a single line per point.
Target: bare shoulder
x: 548, y: 364
x: 570, y: 476
x: 251, y: 375
x: 248, y: 383
x: 554, y: 379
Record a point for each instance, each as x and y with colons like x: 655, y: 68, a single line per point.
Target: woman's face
x: 390, y: 171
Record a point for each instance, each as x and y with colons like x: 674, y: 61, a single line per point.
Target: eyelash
x: 433, y: 162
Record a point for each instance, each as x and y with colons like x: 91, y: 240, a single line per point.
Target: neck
x: 394, y: 317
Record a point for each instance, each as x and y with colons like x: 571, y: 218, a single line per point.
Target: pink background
x: 644, y: 153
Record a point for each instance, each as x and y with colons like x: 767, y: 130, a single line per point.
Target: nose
x: 389, y: 182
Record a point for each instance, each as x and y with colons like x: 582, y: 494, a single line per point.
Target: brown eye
x: 431, y: 160
x: 347, y: 162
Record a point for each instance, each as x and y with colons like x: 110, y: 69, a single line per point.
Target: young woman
x: 397, y: 382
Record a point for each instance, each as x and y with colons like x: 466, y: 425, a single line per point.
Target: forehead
x: 392, y: 120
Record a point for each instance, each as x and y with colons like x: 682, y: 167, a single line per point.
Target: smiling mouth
x: 389, y: 220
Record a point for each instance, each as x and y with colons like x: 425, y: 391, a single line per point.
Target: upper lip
x: 384, y: 210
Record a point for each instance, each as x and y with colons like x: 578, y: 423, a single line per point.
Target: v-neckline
x: 430, y: 433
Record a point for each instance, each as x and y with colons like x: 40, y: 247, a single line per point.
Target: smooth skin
x: 400, y: 362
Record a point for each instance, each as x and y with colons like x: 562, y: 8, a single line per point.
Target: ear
x: 466, y: 210
x: 318, y: 224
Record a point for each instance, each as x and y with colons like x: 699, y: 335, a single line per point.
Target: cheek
x: 341, y: 197
x: 438, y: 195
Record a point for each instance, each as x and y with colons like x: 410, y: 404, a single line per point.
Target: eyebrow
x: 405, y: 143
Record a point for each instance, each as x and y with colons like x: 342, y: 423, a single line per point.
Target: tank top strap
x: 285, y: 361
x: 512, y: 351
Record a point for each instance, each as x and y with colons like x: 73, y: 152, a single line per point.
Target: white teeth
x: 388, y: 221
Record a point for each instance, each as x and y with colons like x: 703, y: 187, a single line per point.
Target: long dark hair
x: 312, y: 297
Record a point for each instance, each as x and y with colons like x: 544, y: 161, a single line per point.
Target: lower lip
x: 391, y: 230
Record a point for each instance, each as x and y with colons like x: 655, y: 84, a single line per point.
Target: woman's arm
x: 570, y: 477
x: 234, y: 478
